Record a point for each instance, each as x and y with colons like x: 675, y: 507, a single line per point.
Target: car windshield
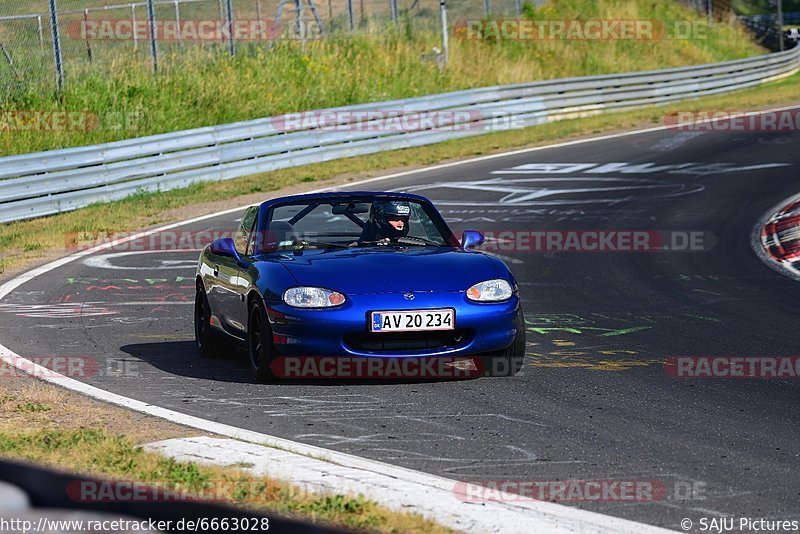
x: 341, y: 223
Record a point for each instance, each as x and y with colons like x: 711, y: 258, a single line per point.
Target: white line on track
x: 147, y: 303
x: 570, y: 519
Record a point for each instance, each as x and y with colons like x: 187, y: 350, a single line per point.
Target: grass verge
x: 25, y: 242
x: 49, y: 426
x: 200, y: 86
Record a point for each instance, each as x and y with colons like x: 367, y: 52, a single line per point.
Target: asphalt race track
x: 593, y: 401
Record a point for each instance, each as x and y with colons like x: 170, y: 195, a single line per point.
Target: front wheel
x: 208, y: 342
x: 259, y: 342
x: 508, y: 362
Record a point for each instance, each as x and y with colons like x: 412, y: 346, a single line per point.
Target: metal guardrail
x: 767, y: 31
x: 44, y: 183
x: 791, y: 17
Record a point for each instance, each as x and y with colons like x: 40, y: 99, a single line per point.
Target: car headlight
x: 312, y: 297
x: 490, y: 291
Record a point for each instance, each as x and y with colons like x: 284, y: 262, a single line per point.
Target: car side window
x: 245, y: 231
x: 251, y: 241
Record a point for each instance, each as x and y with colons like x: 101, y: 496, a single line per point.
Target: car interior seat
x: 280, y: 234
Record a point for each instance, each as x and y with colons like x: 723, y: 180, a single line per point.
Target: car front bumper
x: 344, y: 330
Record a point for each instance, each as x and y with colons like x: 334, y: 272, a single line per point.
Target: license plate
x: 412, y: 320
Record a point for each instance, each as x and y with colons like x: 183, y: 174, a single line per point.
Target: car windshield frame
x: 449, y: 239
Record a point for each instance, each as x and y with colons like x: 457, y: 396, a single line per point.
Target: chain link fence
x: 44, y: 42
x: 41, y: 41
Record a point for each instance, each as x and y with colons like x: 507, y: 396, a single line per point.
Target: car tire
x: 508, y: 362
x: 260, y: 350
x: 209, y: 343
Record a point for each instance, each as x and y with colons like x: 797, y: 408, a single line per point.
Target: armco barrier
x: 33, y: 185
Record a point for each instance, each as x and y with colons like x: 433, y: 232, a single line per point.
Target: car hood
x: 389, y: 270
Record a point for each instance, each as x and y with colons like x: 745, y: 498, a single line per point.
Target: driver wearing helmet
x: 388, y: 221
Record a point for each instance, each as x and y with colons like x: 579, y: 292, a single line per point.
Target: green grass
x: 202, y: 87
x: 31, y: 407
x: 97, y: 453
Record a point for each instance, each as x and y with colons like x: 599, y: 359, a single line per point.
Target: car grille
x: 408, y: 341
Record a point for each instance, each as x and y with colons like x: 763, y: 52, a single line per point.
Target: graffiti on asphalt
x: 602, y: 324
x: 57, y: 311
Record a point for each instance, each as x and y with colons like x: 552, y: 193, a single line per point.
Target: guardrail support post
x: 394, y: 10
x: 56, y: 45
x: 151, y: 17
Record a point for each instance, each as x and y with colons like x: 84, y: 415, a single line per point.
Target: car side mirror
x: 224, y: 247
x: 471, y: 239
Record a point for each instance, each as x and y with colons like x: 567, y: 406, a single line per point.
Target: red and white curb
x: 776, y: 238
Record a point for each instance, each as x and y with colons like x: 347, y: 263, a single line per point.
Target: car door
x: 226, y: 271
x: 244, y: 241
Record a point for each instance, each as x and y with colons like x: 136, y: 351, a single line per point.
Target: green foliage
x: 529, y: 10
x: 180, y: 474
x: 49, y: 440
x: 32, y: 407
x: 337, y: 504
x: 202, y: 86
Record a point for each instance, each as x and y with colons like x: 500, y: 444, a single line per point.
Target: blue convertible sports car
x: 367, y: 275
